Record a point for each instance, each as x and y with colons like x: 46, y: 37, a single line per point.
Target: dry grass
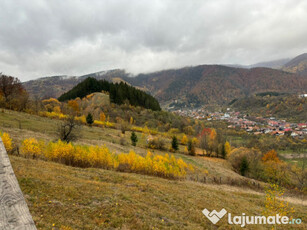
x: 45, y: 129
x: 96, y: 199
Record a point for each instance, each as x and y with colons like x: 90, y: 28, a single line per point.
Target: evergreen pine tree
x: 175, y: 143
x: 133, y: 138
x: 244, y: 167
x: 191, y: 148
x: 89, y: 119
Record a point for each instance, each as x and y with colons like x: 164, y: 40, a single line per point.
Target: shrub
x: 31, y: 148
x: 184, y: 140
x: 156, y: 143
x: 163, y: 166
x: 7, y: 141
x: 274, y: 204
x: 101, y: 157
x: 122, y: 140
x: 246, y: 161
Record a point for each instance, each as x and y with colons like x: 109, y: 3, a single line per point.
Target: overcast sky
x: 71, y: 37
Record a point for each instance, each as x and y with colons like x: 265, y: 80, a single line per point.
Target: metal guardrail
x: 14, y: 212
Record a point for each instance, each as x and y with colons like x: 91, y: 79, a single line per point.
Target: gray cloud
x: 42, y: 38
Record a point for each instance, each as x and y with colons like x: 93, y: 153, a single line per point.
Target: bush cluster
x: 7, y: 141
x: 100, y: 157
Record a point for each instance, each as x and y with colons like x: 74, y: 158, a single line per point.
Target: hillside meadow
x: 63, y: 197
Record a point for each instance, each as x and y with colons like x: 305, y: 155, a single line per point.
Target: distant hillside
x: 190, y: 86
x: 275, y: 64
x: 289, y: 107
x: 297, y: 65
x: 119, y: 93
x: 211, y: 84
x: 55, y: 86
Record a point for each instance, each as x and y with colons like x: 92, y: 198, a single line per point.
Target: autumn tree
x: 223, y: 151
x: 300, y: 174
x: 213, y: 142
x: 204, y: 143
x: 274, y: 204
x: 9, y: 86
x: 73, y: 104
x: 102, y: 117
x: 51, y: 104
x: 68, y: 130
x: 13, y: 95
x: 124, y: 126
x: 275, y: 170
x: 246, y: 161
x: 191, y: 148
x: 227, y: 147
x: 271, y: 156
x: 204, y: 139
x: 184, y: 140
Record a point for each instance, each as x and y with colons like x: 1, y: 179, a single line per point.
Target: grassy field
x: 61, y: 196
x: 45, y: 129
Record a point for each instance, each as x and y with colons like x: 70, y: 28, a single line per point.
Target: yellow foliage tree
x: 184, y: 140
x: 57, y: 109
x: 274, y: 204
x: 227, y: 148
x: 7, y: 141
x: 271, y: 156
x: 102, y: 117
x: 213, y: 141
x: 101, y: 157
x: 73, y: 104
x: 50, y: 103
x: 31, y: 148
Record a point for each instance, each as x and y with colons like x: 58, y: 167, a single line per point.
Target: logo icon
x: 214, y: 216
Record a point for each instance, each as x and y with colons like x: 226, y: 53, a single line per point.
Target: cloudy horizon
x: 45, y: 38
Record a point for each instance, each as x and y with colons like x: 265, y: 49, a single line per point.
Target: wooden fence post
x: 14, y: 212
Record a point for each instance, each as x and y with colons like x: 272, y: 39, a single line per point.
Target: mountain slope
x: 289, y: 107
x: 119, y: 93
x: 192, y: 86
x: 297, y: 65
x: 276, y: 64
x: 57, y: 85
x: 209, y: 84
x: 62, y: 197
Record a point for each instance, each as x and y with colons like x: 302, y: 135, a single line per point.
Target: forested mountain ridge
x: 209, y: 84
x: 119, y: 93
x: 191, y: 86
x: 297, y: 65
x: 55, y: 86
x: 282, y: 106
